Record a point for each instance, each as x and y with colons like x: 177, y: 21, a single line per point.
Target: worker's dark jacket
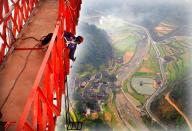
x: 70, y: 37
x: 72, y: 48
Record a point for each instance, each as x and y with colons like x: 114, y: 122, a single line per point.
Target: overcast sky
x: 137, y: 9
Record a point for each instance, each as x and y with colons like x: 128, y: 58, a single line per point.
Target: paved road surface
x: 127, y: 110
x: 162, y: 87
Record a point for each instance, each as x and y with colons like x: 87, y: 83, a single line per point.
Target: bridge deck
x: 41, y: 23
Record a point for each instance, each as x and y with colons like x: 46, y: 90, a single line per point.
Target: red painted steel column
x: 54, y: 69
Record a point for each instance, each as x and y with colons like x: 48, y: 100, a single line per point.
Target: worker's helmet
x: 79, y: 39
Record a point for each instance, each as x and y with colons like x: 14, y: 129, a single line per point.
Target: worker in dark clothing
x: 70, y: 39
x: 72, y: 42
x: 68, y: 36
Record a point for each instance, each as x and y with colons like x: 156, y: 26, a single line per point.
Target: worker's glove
x: 74, y: 59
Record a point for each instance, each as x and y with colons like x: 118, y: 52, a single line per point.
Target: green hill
x: 96, y: 49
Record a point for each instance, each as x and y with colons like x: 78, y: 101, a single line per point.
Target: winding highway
x: 128, y: 69
x: 126, y: 108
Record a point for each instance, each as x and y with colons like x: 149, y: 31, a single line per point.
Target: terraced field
x: 176, y: 55
x: 149, y: 66
x: 123, y: 37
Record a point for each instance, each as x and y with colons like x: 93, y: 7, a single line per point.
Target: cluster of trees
x: 181, y: 95
x: 96, y: 49
x: 168, y: 114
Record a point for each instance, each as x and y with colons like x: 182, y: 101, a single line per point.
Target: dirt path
x: 172, y: 103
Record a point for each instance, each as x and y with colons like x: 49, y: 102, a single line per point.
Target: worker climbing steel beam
x: 58, y: 64
x: 40, y: 112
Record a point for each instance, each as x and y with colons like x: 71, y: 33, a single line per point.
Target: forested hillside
x: 96, y: 49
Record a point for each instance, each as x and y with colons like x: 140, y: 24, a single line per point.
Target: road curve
x: 162, y: 87
x: 126, y: 107
x: 169, y: 100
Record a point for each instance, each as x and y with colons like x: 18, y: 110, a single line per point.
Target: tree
x: 96, y: 49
